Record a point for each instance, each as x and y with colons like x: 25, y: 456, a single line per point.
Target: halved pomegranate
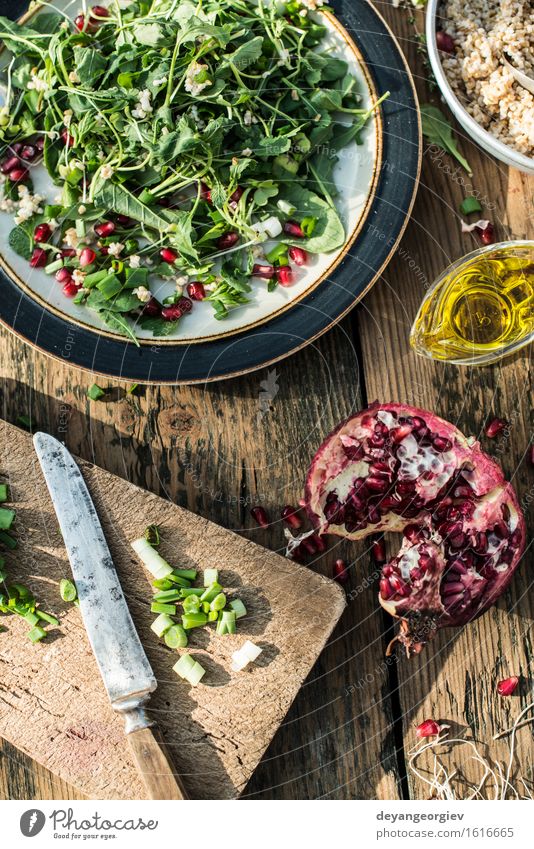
x: 398, y: 468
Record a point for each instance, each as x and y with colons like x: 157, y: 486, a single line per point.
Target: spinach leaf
x: 21, y: 242
x: 438, y: 131
x: 329, y: 233
x: 25, y: 39
x: 47, y: 23
x: 334, y: 69
x: 120, y: 324
x: 90, y: 65
x: 119, y: 199
x: 246, y: 54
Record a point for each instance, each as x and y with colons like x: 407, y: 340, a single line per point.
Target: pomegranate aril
x: 9, y: 163
x: 462, y: 491
x: 63, y: 275
x: 18, y: 175
x: 168, y: 255
x: 428, y: 728
x: 205, y: 192
x: 152, y: 308
x: 385, y: 588
x: 265, y: 271
x: 236, y: 196
x: 319, y: 542
x: 379, y: 551
x: 28, y: 152
x: 400, y: 433
x: 507, y: 686
x: 70, y: 289
x: 67, y: 138
x: 171, y: 313
x: 452, y: 587
x: 458, y: 567
x: 196, y: 291
x: 341, y: 573
x: 495, y: 427
x: 377, y: 484
x: 298, y: 256
x: 444, y: 41
x: 284, y: 275
x: 39, y: 258
x: 99, y: 11
x: 290, y: 516
x: 107, y: 228
x: 79, y: 22
x: 124, y: 220
x: 16, y: 147
x: 227, y: 241
x: 68, y: 252
x: 40, y: 143
x: 42, y: 233
x: 412, y: 532
x: 441, y: 444
x: 87, y: 257
x: 294, y: 229
x: 260, y: 516
x: 486, y: 236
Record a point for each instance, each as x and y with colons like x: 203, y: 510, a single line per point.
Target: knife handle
x: 155, y: 764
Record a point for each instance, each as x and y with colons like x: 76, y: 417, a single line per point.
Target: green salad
x: 182, y: 137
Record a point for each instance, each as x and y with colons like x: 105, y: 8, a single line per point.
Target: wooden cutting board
x: 52, y: 702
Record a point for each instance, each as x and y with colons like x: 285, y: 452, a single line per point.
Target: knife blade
x: 123, y: 664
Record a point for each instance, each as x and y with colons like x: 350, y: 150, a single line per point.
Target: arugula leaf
x: 117, y: 322
x: 246, y: 54
x: 172, y: 145
x: 119, y: 199
x: 274, y: 145
x: 329, y: 233
x: 21, y: 242
x: 265, y: 192
x: 181, y: 235
x: 26, y: 39
x: 90, y: 65
x: 438, y: 131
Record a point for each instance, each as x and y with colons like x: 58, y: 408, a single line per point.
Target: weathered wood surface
x: 218, y: 450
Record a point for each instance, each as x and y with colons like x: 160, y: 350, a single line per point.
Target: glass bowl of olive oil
x: 481, y: 308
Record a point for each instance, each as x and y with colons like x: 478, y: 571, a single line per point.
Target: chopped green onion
x: 212, y: 591
x: 95, y: 392
x: 211, y: 576
x: 176, y: 638
x: 67, y: 590
x: 152, y: 535
x: 189, y: 669
x: 238, y: 607
x: 168, y: 595
x: 180, y: 582
x: 162, y: 624
x: 278, y: 254
x: 7, y: 540
x: 226, y: 623
x: 246, y: 654
x: 31, y: 618
x: 4, y: 492
x: 156, y: 565
x: 469, y: 205
x: 21, y: 592
x: 7, y: 517
x: 47, y: 617
x: 213, y: 616
x: 219, y: 602
x: 95, y: 277
x: 206, y: 606
x: 53, y: 266
x: 36, y: 634
x: 80, y: 228
x: 191, y: 604
x: 194, y: 620
x: 158, y: 607
x: 188, y: 574
x: 162, y: 584
x: 187, y: 591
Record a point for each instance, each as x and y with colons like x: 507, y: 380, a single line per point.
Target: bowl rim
x: 500, y: 149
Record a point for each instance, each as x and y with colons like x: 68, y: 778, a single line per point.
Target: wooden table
x: 222, y: 448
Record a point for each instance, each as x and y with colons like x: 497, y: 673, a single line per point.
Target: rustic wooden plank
x: 454, y: 679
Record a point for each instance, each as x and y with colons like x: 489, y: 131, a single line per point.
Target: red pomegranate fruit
x: 398, y: 468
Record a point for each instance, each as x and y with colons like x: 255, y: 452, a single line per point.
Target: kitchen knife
x: 124, y: 667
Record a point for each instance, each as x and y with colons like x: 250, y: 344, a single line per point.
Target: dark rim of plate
x: 310, y: 317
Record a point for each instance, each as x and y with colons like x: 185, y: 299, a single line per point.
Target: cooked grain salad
x: 482, y: 30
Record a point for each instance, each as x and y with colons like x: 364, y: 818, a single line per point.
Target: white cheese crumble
x: 78, y: 277
x: 115, y: 249
x: 144, y: 105
x: 28, y: 205
x: 36, y: 82
x: 134, y: 261
x: 71, y: 237
x: 106, y: 172
x: 191, y: 83
x: 143, y: 294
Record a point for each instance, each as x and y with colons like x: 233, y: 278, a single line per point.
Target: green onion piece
x: 238, y: 607
x: 176, y: 638
x: 53, y: 266
x: 219, y: 602
x: 47, y: 617
x: 157, y: 566
x: 194, y: 620
x: 187, y: 591
x: 469, y: 205
x: 67, y: 590
x: 180, y: 582
x: 4, y: 492
x: 206, y: 606
x: 278, y: 253
x: 36, y: 634
x: 211, y: 592
x: 195, y: 674
x: 162, y: 584
x: 95, y: 392
x: 158, y: 607
x: 168, y: 595
x: 162, y: 624
x: 95, y: 277
x: 7, y: 540
x: 21, y: 592
x: 184, y: 666
x: 31, y: 618
x: 80, y: 227
x: 188, y: 574
x: 20, y: 607
x: 7, y: 517
x: 213, y: 616
x: 152, y: 535
x: 191, y: 604
x: 211, y: 576
x: 226, y: 623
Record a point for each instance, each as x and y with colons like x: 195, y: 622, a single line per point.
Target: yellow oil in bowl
x: 481, y: 308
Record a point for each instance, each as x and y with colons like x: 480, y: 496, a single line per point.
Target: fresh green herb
x: 95, y: 392
x: 438, y: 131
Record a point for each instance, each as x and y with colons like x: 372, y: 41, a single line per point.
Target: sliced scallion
x: 67, y: 590
x: 211, y: 576
x: 191, y: 604
x: 194, y: 620
x: 213, y: 616
x: 47, y: 617
x: 248, y: 652
x: 167, y: 595
x: 158, y: 607
x: 162, y: 624
x: 156, y: 565
x: 95, y: 392
x: 219, y: 602
x: 210, y: 593
x: 469, y: 205
x: 162, y: 584
x: 238, y: 607
x: 189, y: 669
x: 226, y: 623
x: 176, y: 638
x: 31, y: 618
x: 187, y: 591
x: 179, y: 581
x: 188, y: 574
x: 7, y: 540
x: 4, y: 492
x: 7, y: 517
x: 36, y: 634
x: 206, y: 606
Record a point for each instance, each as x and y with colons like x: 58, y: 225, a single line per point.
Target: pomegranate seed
x: 63, y: 275
x: 152, y: 308
x: 171, y: 313
x: 444, y: 41
x: 298, y: 255
x: 236, y: 196
x: 70, y: 289
x: 260, y: 516
x: 411, y: 532
x: 385, y: 588
x: 265, y: 271
x: 100, y: 11
x: 87, y: 257
x: 9, y: 163
x: 79, y: 22
x: 68, y: 252
x: 39, y: 258
x: 284, y: 275
x: 319, y: 542
x: 441, y: 444
x: 196, y: 291
x: 107, y: 228
x: 168, y: 255
x: 104, y: 250
x: 495, y: 427
x: 17, y: 175
x: 507, y: 687
x: 401, y: 433
x: 227, y: 240
x: 42, y: 233
x: 40, y: 143
x: 341, y: 574
x: 309, y: 545
x: 67, y: 138
x: 428, y: 728
x: 28, y: 152
x: 379, y: 551
x: 294, y: 229
x: 290, y: 516
x: 185, y: 305
x: 205, y: 192
x: 486, y: 236
x: 16, y: 147
x: 125, y: 220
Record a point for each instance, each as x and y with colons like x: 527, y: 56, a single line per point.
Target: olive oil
x: 481, y: 308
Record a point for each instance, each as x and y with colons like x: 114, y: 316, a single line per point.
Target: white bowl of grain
x: 490, y: 105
